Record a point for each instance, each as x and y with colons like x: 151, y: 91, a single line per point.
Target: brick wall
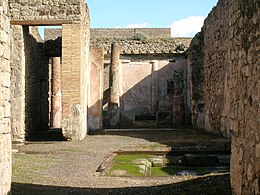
x: 224, y: 72
x: 5, y: 130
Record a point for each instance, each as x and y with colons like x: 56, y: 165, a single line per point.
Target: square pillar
x: 95, y: 103
x: 73, y: 81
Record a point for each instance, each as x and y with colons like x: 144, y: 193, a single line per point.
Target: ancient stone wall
x: 225, y: 85
x: 47, y: 10
x: 100, y: 33
x: 36, y: 83
x: 215, y: 68
x: 5, y: 128
x: 148, y: 46
x: 208, y: 66
x: 52, y: 33
x: 74, y: 18
x: 29, y: 87
x: 129, y: 33
x: 17, y: 84
x: 196, y: 80
x: 244, y: 85
x: 130, y: 45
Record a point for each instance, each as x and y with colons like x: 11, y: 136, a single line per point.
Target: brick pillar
x: 56, y: 93
x: 154, y: 88
x: 74, y: 90
x: 115, y: 86
x: 95, y: 103
x: 5, y: 78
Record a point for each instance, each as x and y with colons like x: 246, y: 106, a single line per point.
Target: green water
x: 124, y: 165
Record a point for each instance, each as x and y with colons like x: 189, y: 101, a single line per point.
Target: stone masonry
x: 24, y: 84
x: 29, y: 87
x: 128, y: 33
x: 130, y: 45
x: 223, y: 77
x: 215, y: 55
x: 196, y: 80
x: 120, y: 33
x: 5, y: 128
x: 244, y: 96
x: 31, y: 12
x: 17, y: 84
x: 224, y: 72
x: 74, y: 18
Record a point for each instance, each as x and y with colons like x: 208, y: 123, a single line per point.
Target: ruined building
x: 147, y: 99
x: 214, y: 85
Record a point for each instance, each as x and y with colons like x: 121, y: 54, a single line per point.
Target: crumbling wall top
x: 47, y: 12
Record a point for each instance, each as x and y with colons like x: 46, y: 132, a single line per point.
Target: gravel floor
x: 49, y: 167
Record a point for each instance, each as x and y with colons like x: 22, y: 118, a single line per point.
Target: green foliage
x: 180, y: 47
x: 140, y: 37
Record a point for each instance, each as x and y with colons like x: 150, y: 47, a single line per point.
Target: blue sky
x: 184, y: 17
x: 187, y: 14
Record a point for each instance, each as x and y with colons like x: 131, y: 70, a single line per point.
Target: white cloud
x: 138, y: 25
x: 187, y: 27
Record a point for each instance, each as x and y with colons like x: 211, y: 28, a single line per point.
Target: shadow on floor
x: 178, y: 138
x: 213, y: 185
x: 54, y: 134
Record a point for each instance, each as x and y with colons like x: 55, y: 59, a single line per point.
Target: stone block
x: 5, y: 163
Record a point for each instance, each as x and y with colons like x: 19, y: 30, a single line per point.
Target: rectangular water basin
x: 165, y: 164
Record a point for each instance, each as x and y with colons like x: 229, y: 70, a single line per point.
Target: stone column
x: 50, y: 87
x: 56, y: 93
x: 114, y: 81
x: 154, y: 88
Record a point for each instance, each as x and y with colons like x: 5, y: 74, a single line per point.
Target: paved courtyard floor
x: 66, y: 167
